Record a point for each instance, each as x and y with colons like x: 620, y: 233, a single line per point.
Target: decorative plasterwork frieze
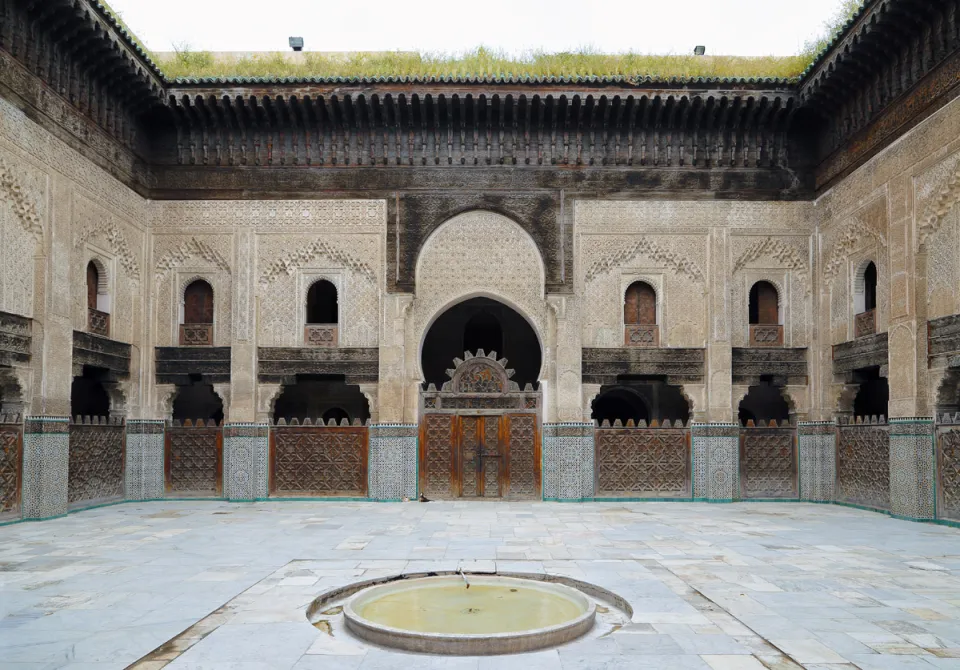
x: 296, y: 259
x: 676, y: 261
x: 937, y: 211
x: 24, y: 208
x: 118, y: 244
x: 784, y: 254
x: 191, y: 248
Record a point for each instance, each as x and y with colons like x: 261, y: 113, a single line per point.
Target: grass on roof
x: 480, y: 62
x: 484, y: 62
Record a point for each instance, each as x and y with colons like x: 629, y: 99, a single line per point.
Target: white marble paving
x: 728, y: 587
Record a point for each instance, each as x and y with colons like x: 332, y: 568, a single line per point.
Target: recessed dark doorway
x: 481, y: 323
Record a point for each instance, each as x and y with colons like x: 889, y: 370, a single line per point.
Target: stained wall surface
x: 899, y: 210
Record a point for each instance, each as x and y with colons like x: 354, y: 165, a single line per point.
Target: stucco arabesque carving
x: 937, y: 210
x: 117, y: 242
x: 851, y: 238
x: 192, y: 248
x: 779, y: 251
x: 287, y: 264
x: 677, y: 262
x: 23, y: 207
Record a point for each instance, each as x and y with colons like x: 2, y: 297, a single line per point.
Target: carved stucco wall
x: 479, y: 253
x: 899, y: 209
x: 73, y: 211
x: 702, y: 258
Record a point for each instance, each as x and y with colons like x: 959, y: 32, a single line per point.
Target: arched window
x: 870, y: 287
x: 93, y: 285
x: 322, y: 303
x: 765, y: 328
x: 98, y: 317
x: 865, y: 301
x: 640, y: 316
x: 764, y: 304
x: 640, y: 305
x: 196, y: 328
x: 198, y: 303
x: 322, y: 315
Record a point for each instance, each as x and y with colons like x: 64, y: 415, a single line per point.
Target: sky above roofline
x: 741, y: 27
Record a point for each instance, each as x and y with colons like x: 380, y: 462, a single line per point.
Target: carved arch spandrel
x: 937, y: 210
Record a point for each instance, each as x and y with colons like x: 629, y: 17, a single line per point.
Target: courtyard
x: 223, y: 585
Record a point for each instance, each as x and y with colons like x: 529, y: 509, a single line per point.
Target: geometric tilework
x: 144, y: 476
x: 912, y: 470
x: 716, y: 471
x: 46, y: 444
x: 245, y: 461
x: 392, y: 472
x: 818, y: 460
x: 568, y: 461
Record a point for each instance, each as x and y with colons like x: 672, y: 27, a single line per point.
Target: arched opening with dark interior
x: 481, y: 323
x: 870, y: 287
x: 640, y: 398
x: 640, y: 305
x: 323, y: 397
x: 764, y: 304
x: 88, y: 396
x: 483, y: 331
x: 322, y: 305
x: 198, y: 303
x: 196, y: 401
x: 873, y: 396
x: 762, y: 404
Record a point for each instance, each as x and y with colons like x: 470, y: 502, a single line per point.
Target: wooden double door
x: 480, y: 456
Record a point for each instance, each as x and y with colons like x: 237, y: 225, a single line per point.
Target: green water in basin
x: 489, y: 606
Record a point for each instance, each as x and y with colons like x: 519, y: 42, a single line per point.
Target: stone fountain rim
x: 589, y: 613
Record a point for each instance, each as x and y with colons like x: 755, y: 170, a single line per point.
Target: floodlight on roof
x: 296, y: 43
x: 699, y: 50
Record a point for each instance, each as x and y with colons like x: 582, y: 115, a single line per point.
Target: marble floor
x: 219, y: 585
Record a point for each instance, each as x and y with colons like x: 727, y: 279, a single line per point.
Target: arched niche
x: 455, y: 330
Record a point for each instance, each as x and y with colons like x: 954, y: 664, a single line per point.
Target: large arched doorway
x: 481, y: 408
x: 481, y: 323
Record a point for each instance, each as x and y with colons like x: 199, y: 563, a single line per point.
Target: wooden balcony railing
x: 766, y: 335
x: 320, y: 335
x: 638, y: 335
x: 865, y: 323
x: 196, y: 334
x: 98, y: 322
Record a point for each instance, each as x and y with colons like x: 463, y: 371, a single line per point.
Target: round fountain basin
x: 496, y: 615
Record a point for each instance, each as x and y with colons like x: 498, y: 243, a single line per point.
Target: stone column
x: 716, y: 462
x: 817, y: 444
x: 46, y: 458
x: 568, y: 462
x: 913, y: 468
x: 392, y: 463
x: 246, y: 449
x: 143, y: 471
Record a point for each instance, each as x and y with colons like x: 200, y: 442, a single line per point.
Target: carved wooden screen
x: 198, y: 303
x: 95, y: 462
x: 640, y: 304
x: 523, y: 456
x: 642, y: 462
x: 194, y: 459
x: 863, y: 466
x: 318, y: 461
x: 11, y: 464
x: 436, y: 455
x: 768, y: 462
x: 948, y: 473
